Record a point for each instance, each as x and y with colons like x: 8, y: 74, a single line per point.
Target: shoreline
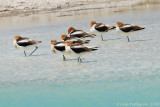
x: 23, y: 8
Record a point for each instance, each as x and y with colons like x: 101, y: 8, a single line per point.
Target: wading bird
x: 64, y: 37
x: 23, y: 43
x: 72, y: 32
x: 58, y: 48
x: 127, y: 29
x: 77, y: 49
x: 100, y: 29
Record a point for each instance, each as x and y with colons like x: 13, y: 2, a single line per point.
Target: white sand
x: 8, y: 7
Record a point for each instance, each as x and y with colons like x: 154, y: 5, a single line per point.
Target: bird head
x: 69, y: 43
x: 92, y: 23
x: 16, y: 37
x: 63, y: 37
x: 53, y: 42
x: 119, y: 24
x: 71, y: 29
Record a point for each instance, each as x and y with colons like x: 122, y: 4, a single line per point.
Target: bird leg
x: 25, y: 53
x: 80, y: 60
x: 102, y: 37
x: 34, y: 51
x: 128, y: 39
x: 64, y: 59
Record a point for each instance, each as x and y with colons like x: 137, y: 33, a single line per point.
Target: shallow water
x: 119, y: 73
x: 110, y: 94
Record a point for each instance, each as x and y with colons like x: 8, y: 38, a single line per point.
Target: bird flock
x: 74, y: 43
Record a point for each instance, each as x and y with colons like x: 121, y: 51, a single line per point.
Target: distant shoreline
x: 30, y: 7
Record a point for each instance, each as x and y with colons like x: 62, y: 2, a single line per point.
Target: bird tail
x: 93, y: 35
x: 138, y: 28
x: 94, y: 49
x: 142, y: 28
x: 112, y: 27
x: 90, y: 35
x: 86, y: 41
x: 39, y: 41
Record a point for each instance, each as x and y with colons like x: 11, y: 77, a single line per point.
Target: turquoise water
x: 98, y: 94
x: 119, y: 74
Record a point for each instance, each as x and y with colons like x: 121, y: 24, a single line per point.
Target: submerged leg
x: 102, y: 37
x: 64, y: 59
x: 128, y: 39
x: 25, y: 53
x: 34, y: 51
x: 80, y: 60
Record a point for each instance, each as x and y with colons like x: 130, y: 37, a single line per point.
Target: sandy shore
x: 23, y: 7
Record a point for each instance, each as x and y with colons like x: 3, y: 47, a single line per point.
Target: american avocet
x: 58, y: 48
x: 64, y: 37
x: 99, y: 28
x: 78, y: 33
x: 23, y: 43
x: 127, y: 29
x: 77, y: 49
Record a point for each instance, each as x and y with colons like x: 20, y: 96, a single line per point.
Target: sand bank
x: 23, y: 7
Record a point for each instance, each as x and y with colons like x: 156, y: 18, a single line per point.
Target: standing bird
x: 100, y: 29
x: 23, y: 43
x: 58, y: 47
x: 64, y: 37
x: 127, y: 29
x: 78, y: 50
x: 78, y: 33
